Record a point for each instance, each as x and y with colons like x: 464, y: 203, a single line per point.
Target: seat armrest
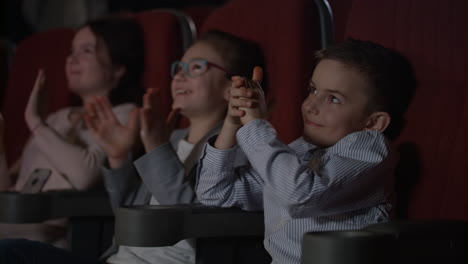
x: 36, y: 208
x: 422, y: 229
x: 160, y: 225
x: 350, y: 247
x: 404, y: 242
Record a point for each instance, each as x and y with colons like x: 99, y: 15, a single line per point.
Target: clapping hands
x: 119, y: 139
x: 115, y: 138
x: 35, y: 111
x: 155, y: 130
x: 247, y: 100
x: 246, y: 103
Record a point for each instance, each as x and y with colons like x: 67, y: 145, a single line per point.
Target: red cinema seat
x: 432, y: 35
x: 340, y: 10
x: 7, y: 49
x: 164, y: 38
x: 198, y: 14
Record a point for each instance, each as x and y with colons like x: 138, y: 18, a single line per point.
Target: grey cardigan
x: 163, y: 176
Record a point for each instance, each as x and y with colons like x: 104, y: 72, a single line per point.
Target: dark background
x: 15, y: 28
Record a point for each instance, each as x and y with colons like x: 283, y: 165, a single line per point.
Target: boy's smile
x: 336, y: 105
x: 311, y: 123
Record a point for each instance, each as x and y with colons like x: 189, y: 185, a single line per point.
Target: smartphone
x: 36, y: 181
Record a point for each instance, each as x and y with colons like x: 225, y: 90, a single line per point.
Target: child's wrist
x: 35, y: 126
x: 232, y: 125
x: 249, y: 119
x: 116, y: 162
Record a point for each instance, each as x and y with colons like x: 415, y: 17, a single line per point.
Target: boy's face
x: 336, y: 105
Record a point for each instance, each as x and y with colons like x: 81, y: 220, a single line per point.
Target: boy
x: 339, y: 174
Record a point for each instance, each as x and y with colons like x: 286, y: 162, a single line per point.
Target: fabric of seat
x: 198, y: 14
x: 7, y: 49
x: 432, y: 35
x: 163, y: 45
x: 340, y: 10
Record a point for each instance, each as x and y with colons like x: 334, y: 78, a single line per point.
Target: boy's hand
x: 241, y: 100
x: 35, y: 111
x: 236, y: 93
x: 250, y: 98
x: 155, y: 130
x: 116, y: 139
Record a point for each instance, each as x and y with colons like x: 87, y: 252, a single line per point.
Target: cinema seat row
x: 430, y: 217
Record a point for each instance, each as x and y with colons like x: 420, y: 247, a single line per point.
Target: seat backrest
x: 340, y: 10
x: 432, y: 35
x: 288, y: 33
x: 198, y: 14
x: 47, y: 50
x: 163, y: 36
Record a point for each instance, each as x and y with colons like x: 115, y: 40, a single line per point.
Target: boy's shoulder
x: 301, y: 145
x: 357, y: 142
x: 362, y: 139
x: 368, y: 145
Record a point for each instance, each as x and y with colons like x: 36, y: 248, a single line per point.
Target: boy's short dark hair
x: 391, y: 78
x: 239, y: 55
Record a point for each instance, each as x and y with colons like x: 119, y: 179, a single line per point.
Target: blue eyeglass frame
x: 203, y: 61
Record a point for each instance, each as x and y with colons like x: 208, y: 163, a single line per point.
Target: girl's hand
x: 116, y: 139
x: 35, y: 112
x: 156, y: 131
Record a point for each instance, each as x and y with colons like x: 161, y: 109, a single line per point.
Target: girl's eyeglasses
x: 194, y: 68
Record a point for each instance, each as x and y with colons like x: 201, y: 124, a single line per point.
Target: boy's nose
x: 312, y: 104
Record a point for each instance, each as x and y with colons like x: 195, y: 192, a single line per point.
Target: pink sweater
x: 70, y: 152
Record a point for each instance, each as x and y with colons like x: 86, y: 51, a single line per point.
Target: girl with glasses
x: 200, y: 90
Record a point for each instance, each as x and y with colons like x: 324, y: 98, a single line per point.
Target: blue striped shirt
x: 300, y: 187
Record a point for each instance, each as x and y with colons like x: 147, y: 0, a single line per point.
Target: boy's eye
x: 334, y: 99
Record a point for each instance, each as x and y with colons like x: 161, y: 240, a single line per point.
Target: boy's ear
x: 378, y: 121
